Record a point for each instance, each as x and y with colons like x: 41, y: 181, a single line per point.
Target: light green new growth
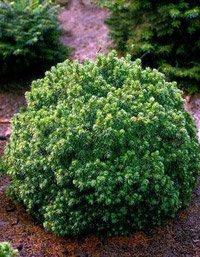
x: 7, y: 251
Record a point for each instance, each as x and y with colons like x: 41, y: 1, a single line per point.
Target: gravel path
x: 193, y: 106
x: 84, y: 30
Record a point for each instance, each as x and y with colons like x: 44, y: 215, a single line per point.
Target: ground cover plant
x: 103, y: 146
x: 7, y: 251
x: 165, y: 34
x: 29, y: 38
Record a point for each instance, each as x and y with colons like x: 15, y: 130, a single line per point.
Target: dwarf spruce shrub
x: 165, y: 34
x: 102, y: 146
x: 29, y: 38
x: 7, y: 251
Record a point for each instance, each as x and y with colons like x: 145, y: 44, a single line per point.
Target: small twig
x: 16, y: 222
x: 4, y: 121
x: 99, y: 50
x: 144, y: 55
x: 2, y: 137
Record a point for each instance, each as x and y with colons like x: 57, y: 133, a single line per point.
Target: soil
x: 178, y: 237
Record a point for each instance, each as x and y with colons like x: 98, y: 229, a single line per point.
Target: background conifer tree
x: 165, y: 34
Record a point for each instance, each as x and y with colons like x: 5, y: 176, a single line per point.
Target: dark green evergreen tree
x: 29, y: 40
x: 165, y: 34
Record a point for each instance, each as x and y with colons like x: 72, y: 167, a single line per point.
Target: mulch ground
x: 10, y: 103
x: 178, y: 237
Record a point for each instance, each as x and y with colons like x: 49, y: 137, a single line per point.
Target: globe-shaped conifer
x: 102, y: 146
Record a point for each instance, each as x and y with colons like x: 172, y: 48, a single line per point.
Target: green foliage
x: 165, y: 34
x: 29, y: 38
x: 102, y: 146
x: 7, y: 251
